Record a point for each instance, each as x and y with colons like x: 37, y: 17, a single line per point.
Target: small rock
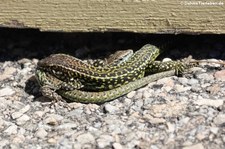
x: 205, y: 76
x: 166, y: 82
x: 41, y: 133
x: 170, y: 109
x: 86, y: 138
x: 185, y: 120
x: 53, y: 119
x: 201, y: 136
x: 117, y: 146
x: 183, y: 80
x: 220, y: 75
x: 193, y: 81
x: 153, y: 120
x: 11, y: 130
x: 110, y: 109
x: 16, y: 115
x: 127, y: 101
x: 196, y: 88
x: 39, y: 114
x: 19, y: 139
x: 214, y: 89
x: 19, y: 113
x: 138, y: 105
x: 147, y: 94
x: 22, y: 120
x: 8, y: 72
x: 78, y: 112
x: 25, y: 109
x: 214, y: 130
x: 171, y: 127
x: 196, y: 146
x: 66, y: 126
x: 2, y: 122
x: 7, y: 91
x: 131, y: 94
x: 181, y: 88
x: 104, y: 140
x: 219, y: 119
x: 209, y: 102
x: 4, y: 143
x: 52, y: 141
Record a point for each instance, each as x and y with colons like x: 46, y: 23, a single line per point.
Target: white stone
x: 214, y: 130
x: 22, y: 120
x: 219, y: 119
x: 117, y: 146
x: 11, y: 130
x: 86, y: 138
x: 41, y: 133
x: 131, y: 94
x: 196, y: 146
x: 209, y: 102
x: 7, y: 91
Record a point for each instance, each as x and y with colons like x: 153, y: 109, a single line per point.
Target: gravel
x: 176, y: 112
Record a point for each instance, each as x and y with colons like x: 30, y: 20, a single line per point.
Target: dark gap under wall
x: 16, y: 44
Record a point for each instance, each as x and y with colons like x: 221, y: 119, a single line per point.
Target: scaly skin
x: 55, y: 92
x: 77, y: 74
x: 63, y: 75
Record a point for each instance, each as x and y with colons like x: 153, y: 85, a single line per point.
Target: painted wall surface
x: 149, y: 16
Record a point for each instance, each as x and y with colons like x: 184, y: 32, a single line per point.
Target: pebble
x: 41, y: 133
x: 184, y: 81
x: 4, y: 143
x: 11, y: 130
x: 205, y: 76
x: 110, y: 108
x: 214, y: 89
x: 166, y: 82
x: 170, y: 109
x: 66, y: 126
x: 19, y: 113
x: 192, y: 81
x: 117, y: 146
x: 52, y: 141
x: 171, y: 127
x: 39, y: 114
x: 214, y: 130
x: 8, y: 72
x: 209, y: 102
x: 220, y: 75
x: 181, y: 88
x: 19, y: 139
x: 153, y: 120
x: 85, y: 138
x: 53, y: 119
x: 131, y: 94
x: 201, y: 136
x: 219, y: 119
x: 22, y: 120
x: 104, y: 140
x: 147, y: 94
x: 196, y: 146
x: 7, y: 91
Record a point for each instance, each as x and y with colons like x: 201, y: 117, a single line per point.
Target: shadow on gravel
x: 16, y: 44
x: 32, y: 88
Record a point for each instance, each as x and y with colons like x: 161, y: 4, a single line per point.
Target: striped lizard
x: 77, y: 74
x: 54, y: 86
